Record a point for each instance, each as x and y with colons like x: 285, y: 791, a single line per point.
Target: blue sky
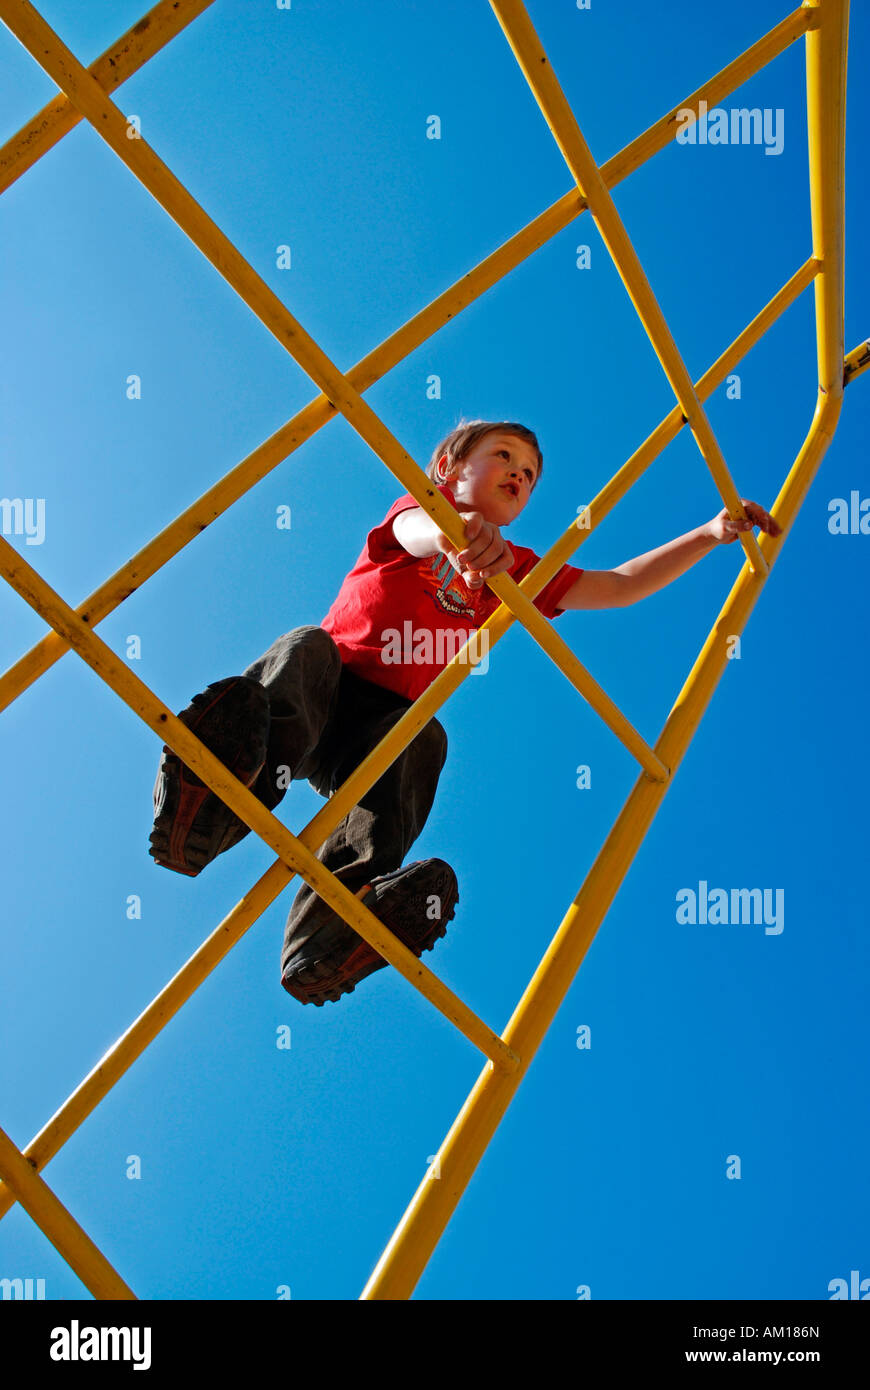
x: 263, y: 1168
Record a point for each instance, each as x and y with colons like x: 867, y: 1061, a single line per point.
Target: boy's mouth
x: 512, y: 489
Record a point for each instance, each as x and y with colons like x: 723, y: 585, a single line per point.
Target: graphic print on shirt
x: 450, y: 594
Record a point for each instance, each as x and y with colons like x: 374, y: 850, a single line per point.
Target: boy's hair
x: 460, y: 441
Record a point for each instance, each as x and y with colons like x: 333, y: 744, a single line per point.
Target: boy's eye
x: 505, y: 453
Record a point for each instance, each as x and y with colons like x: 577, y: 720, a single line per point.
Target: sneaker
x: 334, y: 958
x: 191, y: 824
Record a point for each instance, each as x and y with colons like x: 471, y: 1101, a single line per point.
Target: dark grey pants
x: 324, y: 721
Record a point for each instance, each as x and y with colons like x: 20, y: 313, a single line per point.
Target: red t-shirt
x: 398, y: 619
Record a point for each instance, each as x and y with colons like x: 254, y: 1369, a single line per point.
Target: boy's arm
x: 416, y: 532
x: 638, y: 578
x: 485, y: 553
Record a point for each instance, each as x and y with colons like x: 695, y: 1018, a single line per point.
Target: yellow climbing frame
x: 85, y: 93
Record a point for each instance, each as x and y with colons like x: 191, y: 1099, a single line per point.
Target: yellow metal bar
x: 429, y: 1212
x: 826, y: 47
x: 857, y: 361
x: 125, y: 56
x: 668, y: 428
x: 541, y: 629
x: 407, y: 1253
x: 791, y: 20
x: 124, y: 1052
x: 268, y: 455
x: 628, y: 474
x: 87, y: 94
x: 530, y: 55
x: 167, y: 1003
x: 62, y: 1229
x: 713, y: 92
x: 219, y: 779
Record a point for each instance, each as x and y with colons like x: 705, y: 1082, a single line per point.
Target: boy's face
x: 495, y: 478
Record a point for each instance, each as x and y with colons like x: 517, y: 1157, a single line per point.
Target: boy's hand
x: 486, y: 552
x: 723, y: 529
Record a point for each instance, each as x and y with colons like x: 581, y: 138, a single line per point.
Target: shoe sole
x: 333, y: 977
x: 192, y: 824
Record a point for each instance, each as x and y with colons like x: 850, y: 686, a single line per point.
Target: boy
x: 317, y: 702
